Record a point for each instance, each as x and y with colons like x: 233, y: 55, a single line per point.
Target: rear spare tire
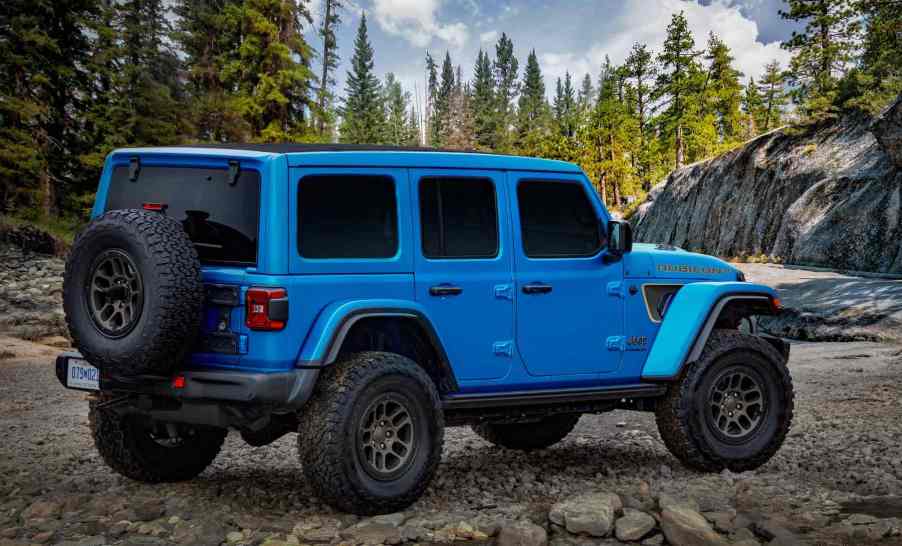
x: 132, y: 292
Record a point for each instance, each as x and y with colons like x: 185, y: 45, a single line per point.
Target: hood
x: 666, y: 261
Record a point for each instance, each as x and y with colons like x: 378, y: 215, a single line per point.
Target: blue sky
x: 572, y: 35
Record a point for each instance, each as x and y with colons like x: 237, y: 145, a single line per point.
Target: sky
x: 568, y: 35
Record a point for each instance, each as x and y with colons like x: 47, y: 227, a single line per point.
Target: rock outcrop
x: 827, y: 195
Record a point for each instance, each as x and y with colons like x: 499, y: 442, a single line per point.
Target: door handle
x: 536, y: 288
x: 445, y: 290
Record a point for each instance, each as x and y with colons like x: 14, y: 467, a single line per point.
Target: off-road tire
x: 329, y: 426
x: 169, y: 319
x: 125, y: 444
x: 528, y: 436
x: 680, y: 417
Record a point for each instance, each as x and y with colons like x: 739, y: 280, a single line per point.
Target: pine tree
x: 641, y: 69
x: 483, y: 103
x: 564, y: 106
x: 506, y: 90
x: 723, y: 91
x: 362, y: 112
x: 881, y: 59
x: 329, y: 60
x: 208, y: 33
x: 396, y: 103
x: 678, y: 82
x: 773, y: 95
x: 586, y: 97
x: 43, y: 52
x: 533, y: 108
x: 432, y: 132
x: 820, y: 52
x: 753, y: 108
x: 443, y: 100
x: 459, y: 131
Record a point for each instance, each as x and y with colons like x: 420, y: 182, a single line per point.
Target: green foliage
x: 773, y: 95
x: 331, y: 19
x: 362, y: 115
x: 485, y: 118
x: 506, y: 90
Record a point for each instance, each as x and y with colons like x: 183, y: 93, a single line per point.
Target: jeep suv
x: 365, y: 298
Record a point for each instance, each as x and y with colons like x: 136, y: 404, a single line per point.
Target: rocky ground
x: 837, y: 480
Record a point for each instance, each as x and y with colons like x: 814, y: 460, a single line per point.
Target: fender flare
x: 330, y: 328
x: 689, y: 321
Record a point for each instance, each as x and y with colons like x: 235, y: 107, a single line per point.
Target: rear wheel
x: 151, y: 451
x: 370, y: 438
x: 730, y: 409
x: 526, y: 436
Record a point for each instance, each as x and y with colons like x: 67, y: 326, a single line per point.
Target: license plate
x: 82, y: 375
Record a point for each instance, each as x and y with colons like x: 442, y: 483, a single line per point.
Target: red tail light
x: 266, y: 308
x: 155, y: 207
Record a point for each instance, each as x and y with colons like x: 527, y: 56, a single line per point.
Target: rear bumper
x: 281, y: 390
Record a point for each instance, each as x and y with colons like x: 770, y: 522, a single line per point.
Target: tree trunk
x: 679, y: 145
x: 602, y: 188
x: 321, y: 122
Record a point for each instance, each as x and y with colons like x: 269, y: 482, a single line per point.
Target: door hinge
x: 615, y: 289
x: 504, y: 291
x: 615, y: 343
x: 503, y: 348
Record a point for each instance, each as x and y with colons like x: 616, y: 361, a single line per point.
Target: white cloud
x: 488, y: 37
x: 646, y: 22
x: 415, y: 21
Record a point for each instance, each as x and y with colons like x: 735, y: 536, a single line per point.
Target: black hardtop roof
x: 291, y: 148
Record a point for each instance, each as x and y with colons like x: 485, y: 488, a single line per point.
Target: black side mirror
x: 620, y: 237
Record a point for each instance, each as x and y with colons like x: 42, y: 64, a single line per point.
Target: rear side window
x: 458, y: 218
x: 347, y: 216
x: 222, y: 220
x: 557, y: 220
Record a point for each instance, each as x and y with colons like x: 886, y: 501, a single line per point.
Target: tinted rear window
x: 221, y: 219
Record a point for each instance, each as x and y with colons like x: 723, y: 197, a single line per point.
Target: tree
x: 208, y: 33
x: 533, y: 108
x: 880, y: 74
x: 442, y: 104
x: 723, y: 91
x: 362, y: 112
x: 753, y: 108
x: 432, y: 133
x: 329, y: 59
x: 586, y: 97
x: 458, y: 126
x: 483, y: 103
x: 506, y: 90
x: 820, y: 52
x: 396, y: 102
x: 774, y: 96
x: 642, y: 71
x: 677, y: 81
x: 564, y: 106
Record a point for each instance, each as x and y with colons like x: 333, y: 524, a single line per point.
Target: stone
x: 887, y: 128
x: 395, y: 520
x: 372, y: 533
x: 666, y: 500
x: 683, y: 526
x: 522, y: 533
x: 42, y: 510
x: 149, y: 510
x: 42, y: 538
x: 633, y: 525
x: 654, y: 540
x: 591, y: 514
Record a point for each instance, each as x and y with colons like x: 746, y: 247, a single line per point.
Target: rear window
x: 347, y: 216
x: 222, y: 220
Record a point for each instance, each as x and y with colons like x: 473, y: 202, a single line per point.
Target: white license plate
x: 82, y: 375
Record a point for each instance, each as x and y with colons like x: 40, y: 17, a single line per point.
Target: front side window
x: 557, y: 220
x: 347, y: 216
x: 458, y: 218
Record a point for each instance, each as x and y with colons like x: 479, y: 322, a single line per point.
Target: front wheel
x: 150, y: 451
x: 730, y: 409
x: 370, y: 439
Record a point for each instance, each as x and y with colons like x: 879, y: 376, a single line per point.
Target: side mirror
x: 620, y: 237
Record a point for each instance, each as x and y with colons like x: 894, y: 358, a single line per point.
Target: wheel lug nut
x: 731, y: 414
x: 381, y: 446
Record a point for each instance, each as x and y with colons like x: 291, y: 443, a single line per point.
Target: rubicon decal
x: 686, y: 268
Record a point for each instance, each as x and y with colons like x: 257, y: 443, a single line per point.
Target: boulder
x: 825, y: 195
x: 591, y: 514
x: 684, y: 526
x: 633, y: 525
x: 522, y: 533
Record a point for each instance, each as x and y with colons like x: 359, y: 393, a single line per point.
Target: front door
x: 568, y: 303
x: 463, y: 268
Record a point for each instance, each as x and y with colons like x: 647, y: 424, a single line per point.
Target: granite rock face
x: 827, y: 195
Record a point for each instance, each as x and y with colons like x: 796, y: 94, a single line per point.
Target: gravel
x: 834, y: 480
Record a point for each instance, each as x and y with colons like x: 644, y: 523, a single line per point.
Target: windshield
x: 221, y: 219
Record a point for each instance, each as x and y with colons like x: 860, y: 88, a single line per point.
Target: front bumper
x: 285, y: 391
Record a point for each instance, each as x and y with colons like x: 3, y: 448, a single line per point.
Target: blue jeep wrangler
x: 366, y: 298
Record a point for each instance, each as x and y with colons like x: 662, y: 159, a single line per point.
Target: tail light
x: 776, y: 305
x: 266, y: 308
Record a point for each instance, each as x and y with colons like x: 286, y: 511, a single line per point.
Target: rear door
x: 463, y: 267
x: 567, y: 300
